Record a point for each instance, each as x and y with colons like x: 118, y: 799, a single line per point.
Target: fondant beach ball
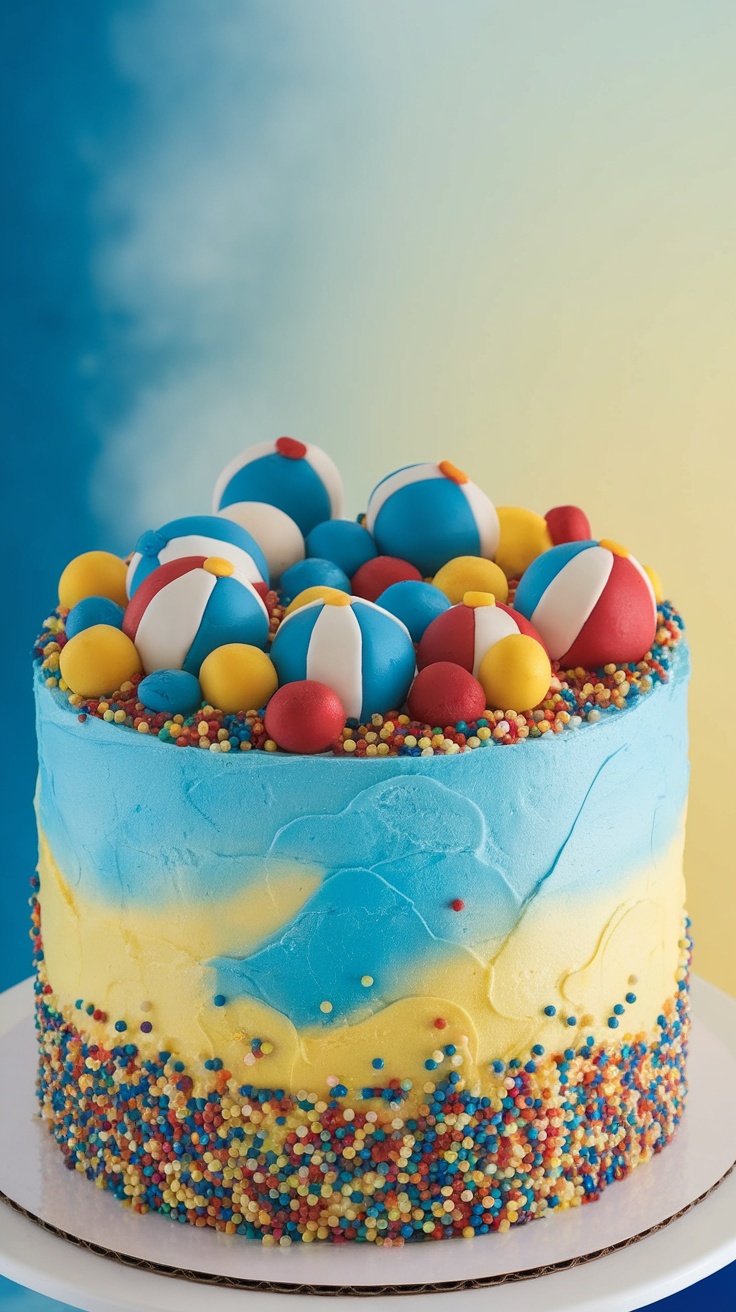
x: 297, y: 477
x: 360, y: 651
x: 428, y: 514
x: 466, y: 633
x: 186, y: 608
x: 279, y: 538
x: 197, y: 535
x: 592, y: 602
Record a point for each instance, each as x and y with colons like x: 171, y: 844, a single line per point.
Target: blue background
x: 72, y: 366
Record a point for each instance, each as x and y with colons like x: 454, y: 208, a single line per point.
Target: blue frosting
x: 396, y: 839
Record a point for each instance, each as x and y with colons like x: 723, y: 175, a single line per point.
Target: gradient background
x: 404, y: 229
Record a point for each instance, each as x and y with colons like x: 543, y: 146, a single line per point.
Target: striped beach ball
x: 186, y: 608
x: 429, y: 514
x: 358, y: 649
x: 297, y: 477
x: 466, y: 632
x: 197, y: 535
x: 592, y: 603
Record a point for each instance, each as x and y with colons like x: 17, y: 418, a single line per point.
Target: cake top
x: 435, y: 623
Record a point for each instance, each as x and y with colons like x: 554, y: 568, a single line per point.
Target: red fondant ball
x: 305, y: 717
x: 444, y: 694
x: 380, y: 573
x: 567, y: 524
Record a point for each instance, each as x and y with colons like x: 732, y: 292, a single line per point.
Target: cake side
x: 527, y: 1044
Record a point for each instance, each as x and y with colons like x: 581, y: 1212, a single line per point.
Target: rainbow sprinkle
x: 387, y: 1165
x: 576, y: 697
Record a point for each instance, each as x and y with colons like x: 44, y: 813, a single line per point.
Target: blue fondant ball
x: 344, y: 542
x: 93, y: 610
x: 174, y: 691
x: 415, y: 604
x: 312, y: 573
x: 358, y: 649
x: 197, y: 535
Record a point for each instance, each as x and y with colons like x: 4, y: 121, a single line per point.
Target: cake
x: 387, y: 960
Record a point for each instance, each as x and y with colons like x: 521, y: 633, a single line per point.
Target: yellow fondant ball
x: 238, y: 677
x: 93, y: 574
x: 515, y: 673
x: 471, y: 574
x: 524, y: 536
x: 98, y: 660
x: 319, y: 592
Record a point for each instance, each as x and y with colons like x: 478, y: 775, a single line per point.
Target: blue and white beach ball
x: 298, y: 477
x: 197, y: 535
x: 360, y: 651
x: 186, y: 608
x: 429, y: 514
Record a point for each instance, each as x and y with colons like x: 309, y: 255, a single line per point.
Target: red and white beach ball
x: 592, y: 602
x: 466, y: 632
x: 188, y: 607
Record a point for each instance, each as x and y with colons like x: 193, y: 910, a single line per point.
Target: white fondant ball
x: 279, y: 538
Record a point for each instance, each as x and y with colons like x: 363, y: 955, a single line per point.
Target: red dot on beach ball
x: 305, y: 717
x: 567, y: 524
x: 380, y: 573
x: 444, y: 694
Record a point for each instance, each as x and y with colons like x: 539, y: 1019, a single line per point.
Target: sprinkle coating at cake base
x: 400, y: 1166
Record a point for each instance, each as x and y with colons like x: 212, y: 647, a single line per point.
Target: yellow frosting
x: 151, y: 964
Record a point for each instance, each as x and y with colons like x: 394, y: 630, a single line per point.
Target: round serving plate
x: 643, y: 1239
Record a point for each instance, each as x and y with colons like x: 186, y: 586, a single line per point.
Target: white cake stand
x: 670, y: 1224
